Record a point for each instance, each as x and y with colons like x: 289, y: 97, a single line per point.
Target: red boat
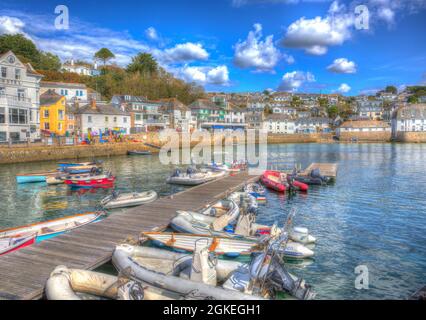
x: 272, y: 180
x: 91, y: 182
x: 281, y: 182
x: 8, y: 245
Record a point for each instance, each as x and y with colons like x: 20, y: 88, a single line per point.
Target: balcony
x: 14, y: 101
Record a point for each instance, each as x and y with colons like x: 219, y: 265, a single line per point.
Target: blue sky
x: 243, y: 45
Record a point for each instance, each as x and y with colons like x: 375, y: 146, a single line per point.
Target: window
x: 2, y: 115
x: 46, y: 126
x: 70, y: 117
x: 17, y: 74
x: 3, y: 72
x: 89, y: 119
x: 46, y: 113
x: 115, y: 119
x: 14, y: 116
x: 3, y: 135
x: 23, y: 116
x: 106, y: 119
x: 2, y: 91
x: 61, y: 114
x: 138, y: 117
x: 125, y: 120
x: 21, y: 94
x: 59, y: 126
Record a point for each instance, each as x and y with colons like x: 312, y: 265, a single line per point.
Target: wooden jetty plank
x: 26, y: 271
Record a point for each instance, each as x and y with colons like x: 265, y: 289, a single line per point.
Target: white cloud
x: 292, y: 81
x: 342, y: 65
x: 183, y: 52
x: 386, y: 14
x: 255, y: 52
x: 151, y: 34
x: 344, y: 88
x: 11, y: 25
x: 205, y: 75
x: 316, y: 35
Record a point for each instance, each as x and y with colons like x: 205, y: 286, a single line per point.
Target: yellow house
x: 52, y: 113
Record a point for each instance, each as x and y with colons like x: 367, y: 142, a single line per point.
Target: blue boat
x: 30, y: 179
x: 75, y: 164
x: 35, y: 177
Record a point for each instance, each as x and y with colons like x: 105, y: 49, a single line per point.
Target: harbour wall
x: 59, y: 151
x: 411, y: 137
x: 366, y: 136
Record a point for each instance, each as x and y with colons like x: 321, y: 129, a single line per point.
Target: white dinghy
x: 193, y: 178
x: 166, y: 270
x: 223, y: 245
x: 74, y: 284
x: 201, y: 275
x: 125, y: 200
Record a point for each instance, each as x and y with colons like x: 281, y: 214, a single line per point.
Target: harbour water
x: 374, y: 215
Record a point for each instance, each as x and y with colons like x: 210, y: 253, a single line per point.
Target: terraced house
x: 52, y: 113
x: 205, y: 111
x: 19, y: 100
x: 145, y: 115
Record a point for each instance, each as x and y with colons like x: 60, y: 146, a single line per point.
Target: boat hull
x: 18, y: 244
x: 30, y: 179
x: 91, y: 183
x: 49, y: 229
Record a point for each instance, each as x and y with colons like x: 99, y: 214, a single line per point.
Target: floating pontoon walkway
x: 23, y: 274
x: 326, y: 169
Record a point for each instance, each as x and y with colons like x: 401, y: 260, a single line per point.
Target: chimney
x: 72, y: 62
x: 93, y: 103
x: 76, y: 104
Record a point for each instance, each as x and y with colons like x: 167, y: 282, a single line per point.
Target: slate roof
x: 50, y: 97
x: 106, y: 109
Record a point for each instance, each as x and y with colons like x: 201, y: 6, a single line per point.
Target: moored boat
x: 82, y: 169
x: 272, y: 180
x: 139, y: 153
x: 91, y: 181
x: 223, y: 245
x: 48, y: 229
x: 35, y: 177
x: 124, y: 200
x: 193, y: 178
x: 8, y: 245
x: 256, y: 190
x: 76, y: 164
x: 72, y: 284
x: 178, y: 273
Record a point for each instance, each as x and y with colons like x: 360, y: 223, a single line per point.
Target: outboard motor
x: 203, y: 267
x: 176, y: 173
x: 277, y: 278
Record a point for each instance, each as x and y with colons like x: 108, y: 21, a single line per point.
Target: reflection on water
x: 373, y: 215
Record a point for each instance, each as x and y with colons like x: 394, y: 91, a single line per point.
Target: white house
x: 312, y: 125
x: 279, y: 124
x: 83, y: 69
x: 409, y: 118
x: 178, y: 114
x: 71, y: 91
x: 285, y: 110
x: 235, y: 115
x: 19, y: 100
x: 100, y: 118
x: 363, y: 126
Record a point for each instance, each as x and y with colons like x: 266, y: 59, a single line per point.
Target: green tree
x: 104, y: 55
x: 24, y: 48
x: 413, y: 99
x: 143, y: 63
x: 391, y: 89
x: 48, y: 61
x: 332, y: 111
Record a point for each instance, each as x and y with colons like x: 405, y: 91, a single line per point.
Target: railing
x: 15, y: 101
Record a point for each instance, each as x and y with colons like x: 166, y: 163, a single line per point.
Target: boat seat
x: 239, y: 279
